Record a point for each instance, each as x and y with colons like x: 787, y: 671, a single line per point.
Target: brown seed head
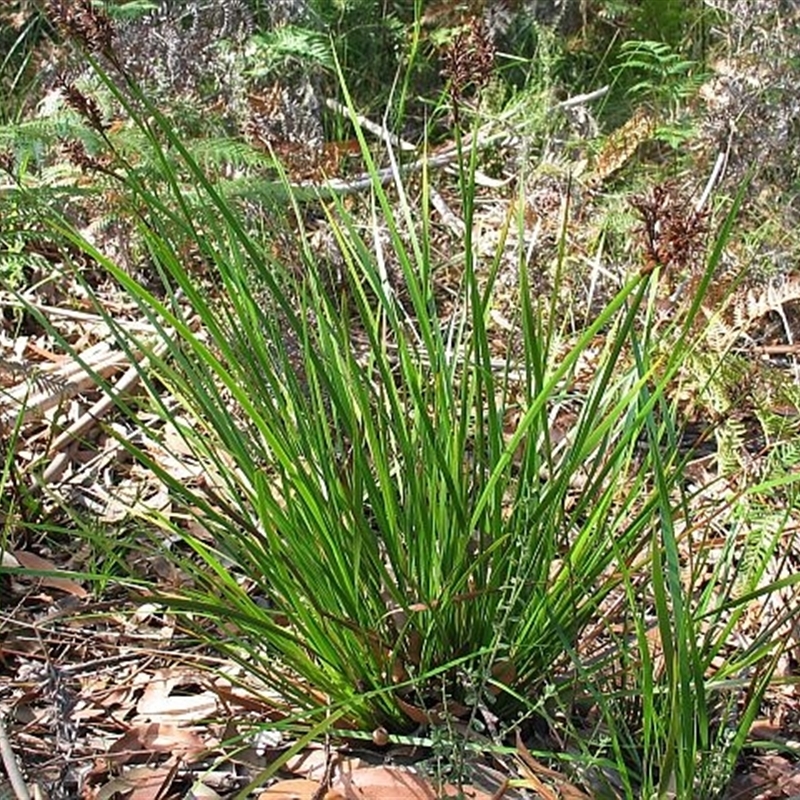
x: 86, y: 106
x: 80, y: 20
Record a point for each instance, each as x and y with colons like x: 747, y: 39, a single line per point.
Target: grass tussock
x: 396, y: 521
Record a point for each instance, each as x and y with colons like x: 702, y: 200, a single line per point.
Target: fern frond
x: 220, y: 152
x: 762, y: 525
x: 731, y: 440
x: 31, y: 140
x: 287, y: 44
x: 760, y: 301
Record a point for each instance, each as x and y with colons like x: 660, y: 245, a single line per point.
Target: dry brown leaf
x: 181, y: 708
x: 236, y: 696
x: 373, y: 783
x: 158, y: 702
x: 532, y: 768
x: 505, y: 673
x: 138, y: 783
x: 101, y: 695
x: 293, y: 789
x: 434, y: 716
x: 418, y: 715
x: 154, y: 737
x: 379, y: 783
x: 32, y: 561
x: 311, y: 764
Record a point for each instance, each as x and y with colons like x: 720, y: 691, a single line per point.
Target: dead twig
x: 10, y: 763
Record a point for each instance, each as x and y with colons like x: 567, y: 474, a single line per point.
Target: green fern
x: 32, y: 142
x: 723, y: 388
x: 761, y: 524
x: 731, y: 445
x: 654, y: 73
x: 132, y: 9
x: 289, y: 44
x: 225, y: 153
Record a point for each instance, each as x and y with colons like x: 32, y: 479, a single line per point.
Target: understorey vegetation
x: 399, y: 381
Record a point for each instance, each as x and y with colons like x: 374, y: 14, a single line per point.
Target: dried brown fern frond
x: 758, y: 301
x: 739, y: 314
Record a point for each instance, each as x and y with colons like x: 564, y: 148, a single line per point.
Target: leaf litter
x: 107, y: 696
